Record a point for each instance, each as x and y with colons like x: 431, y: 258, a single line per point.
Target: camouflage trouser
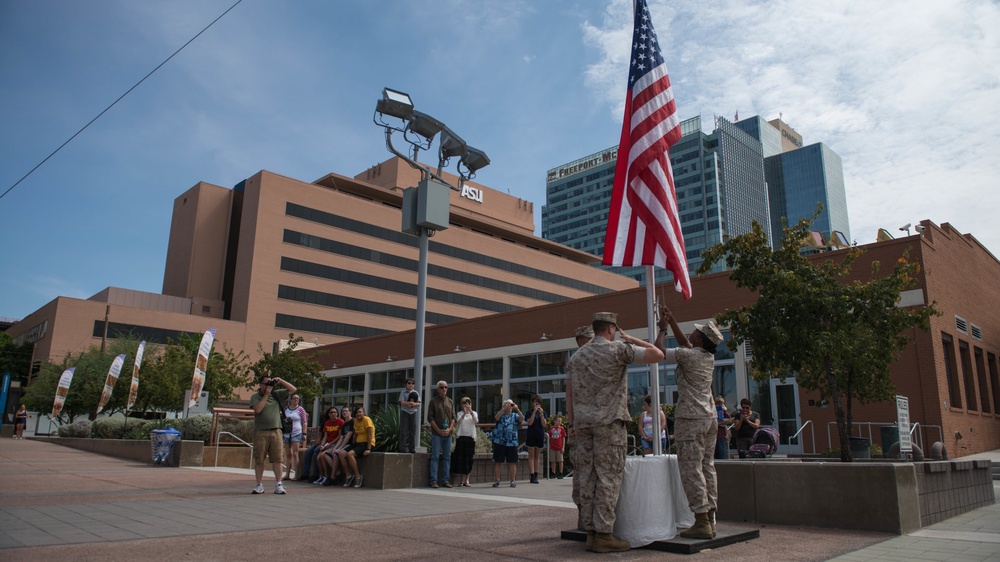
x: 600, y: 468
x: 576, y: 480
x: 695, y: 454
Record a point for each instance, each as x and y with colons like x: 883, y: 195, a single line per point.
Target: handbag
x: 286, y: 422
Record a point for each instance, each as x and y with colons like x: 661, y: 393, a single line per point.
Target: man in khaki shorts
x: 267, y: 428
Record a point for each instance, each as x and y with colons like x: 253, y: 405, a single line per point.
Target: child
x: 557, y: 443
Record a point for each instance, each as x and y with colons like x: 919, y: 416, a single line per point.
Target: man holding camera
x: 266, y: 404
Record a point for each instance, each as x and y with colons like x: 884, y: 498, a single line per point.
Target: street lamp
x: 426, y: 207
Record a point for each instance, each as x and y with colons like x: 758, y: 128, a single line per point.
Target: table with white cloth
x: 652, y: 503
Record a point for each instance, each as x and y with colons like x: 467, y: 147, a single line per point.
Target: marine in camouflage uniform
x: 696, y: 425
x: 583, y: 336
x: 599, y: 414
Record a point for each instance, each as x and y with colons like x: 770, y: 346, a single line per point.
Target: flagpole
x: 654, y: 369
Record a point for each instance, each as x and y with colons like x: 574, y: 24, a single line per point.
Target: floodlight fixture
x: 395, y: 104
x: 425, y: 127
x: 452, y: 145
x: 473, y: 161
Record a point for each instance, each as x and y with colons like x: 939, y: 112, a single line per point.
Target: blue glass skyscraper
x: 718, y: 178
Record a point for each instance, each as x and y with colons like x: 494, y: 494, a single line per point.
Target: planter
x: 861, y: 448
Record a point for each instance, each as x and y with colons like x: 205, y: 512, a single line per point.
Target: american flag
x: 643, y: 224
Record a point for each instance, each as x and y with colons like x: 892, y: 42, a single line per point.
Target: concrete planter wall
x: 888, y: 497
x: 184, y: 453
x: 950, y: 488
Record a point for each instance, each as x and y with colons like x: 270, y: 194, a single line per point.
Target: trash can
x: 890, y: 436
x: 860, y: 448
x: 162, y: 442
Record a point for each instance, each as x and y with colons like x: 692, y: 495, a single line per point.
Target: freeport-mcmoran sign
x: 583, y: 164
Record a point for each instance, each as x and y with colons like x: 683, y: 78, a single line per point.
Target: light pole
x: 426, y: 207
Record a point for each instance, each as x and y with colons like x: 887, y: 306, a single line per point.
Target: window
x: 523, y: 366
x: 552, y: 363
x: 465, y: 372
x: 968, y: 376
x: 984, y: 389
x: 991, y: 362
x: 954, y: 391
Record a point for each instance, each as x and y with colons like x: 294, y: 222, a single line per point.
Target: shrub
x: 483, y: 443
x: 197, y: 427
x: 136, y: 432
x: 107, y: 428
x: 386, y: 422
x: 242, y: 429
x: 76, y: 429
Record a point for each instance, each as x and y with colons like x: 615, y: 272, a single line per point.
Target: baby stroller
x: 765, y: 443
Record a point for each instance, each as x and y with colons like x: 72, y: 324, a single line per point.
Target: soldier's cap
x: 606, y: 317
x: 710, y: 331
x: 585, y: 332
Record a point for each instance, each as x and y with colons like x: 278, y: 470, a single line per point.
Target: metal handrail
x: 812, y: 431
x: 916, y: 427
x: 217, y: 443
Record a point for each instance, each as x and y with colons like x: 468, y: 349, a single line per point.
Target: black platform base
x: 724, y: 536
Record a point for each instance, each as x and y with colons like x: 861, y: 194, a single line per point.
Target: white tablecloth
x: 652, y: 503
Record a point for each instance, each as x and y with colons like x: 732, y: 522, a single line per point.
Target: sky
x: 907, y: 93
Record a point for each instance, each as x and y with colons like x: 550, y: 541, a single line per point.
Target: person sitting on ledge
x: 364, y: 442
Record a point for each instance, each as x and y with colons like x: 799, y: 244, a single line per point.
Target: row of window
x: 541, y: 374
x: 391, y: 285
x: 359, y: 305
x: 390, y: 260
x: 397, y: 237
x: 979, y: 372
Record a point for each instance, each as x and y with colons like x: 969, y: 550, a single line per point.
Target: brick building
x: 949, y: 374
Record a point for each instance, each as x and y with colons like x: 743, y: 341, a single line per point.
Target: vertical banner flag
x: 3, y: 396
x: 61, y: 391
x: 111, y: 381
x: 201, y: 365
x: 134, y: 389
x: 643, y: 223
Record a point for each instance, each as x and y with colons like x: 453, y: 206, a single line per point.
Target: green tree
x: 84, y: 392
x: 300, y: 371
x: 164, y: 375
x: 836, y: 336
x: 14, y: 359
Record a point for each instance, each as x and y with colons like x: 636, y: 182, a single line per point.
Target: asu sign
x: 472, y: 193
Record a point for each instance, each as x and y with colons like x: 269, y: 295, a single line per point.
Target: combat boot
x: 702, y: 528
x: 590, y: 540
x: 606, y: 542
x: 711, y: 519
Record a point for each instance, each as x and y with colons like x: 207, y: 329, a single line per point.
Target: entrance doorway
x: 554, y: 403
x: 785, y: 413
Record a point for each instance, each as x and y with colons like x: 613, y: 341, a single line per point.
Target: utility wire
x: 39, y: 165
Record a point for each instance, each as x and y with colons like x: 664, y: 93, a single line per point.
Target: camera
x: 271, y: 382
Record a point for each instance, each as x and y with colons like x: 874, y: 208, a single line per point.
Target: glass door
x: 555, y: 403
x: 785, y: 413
